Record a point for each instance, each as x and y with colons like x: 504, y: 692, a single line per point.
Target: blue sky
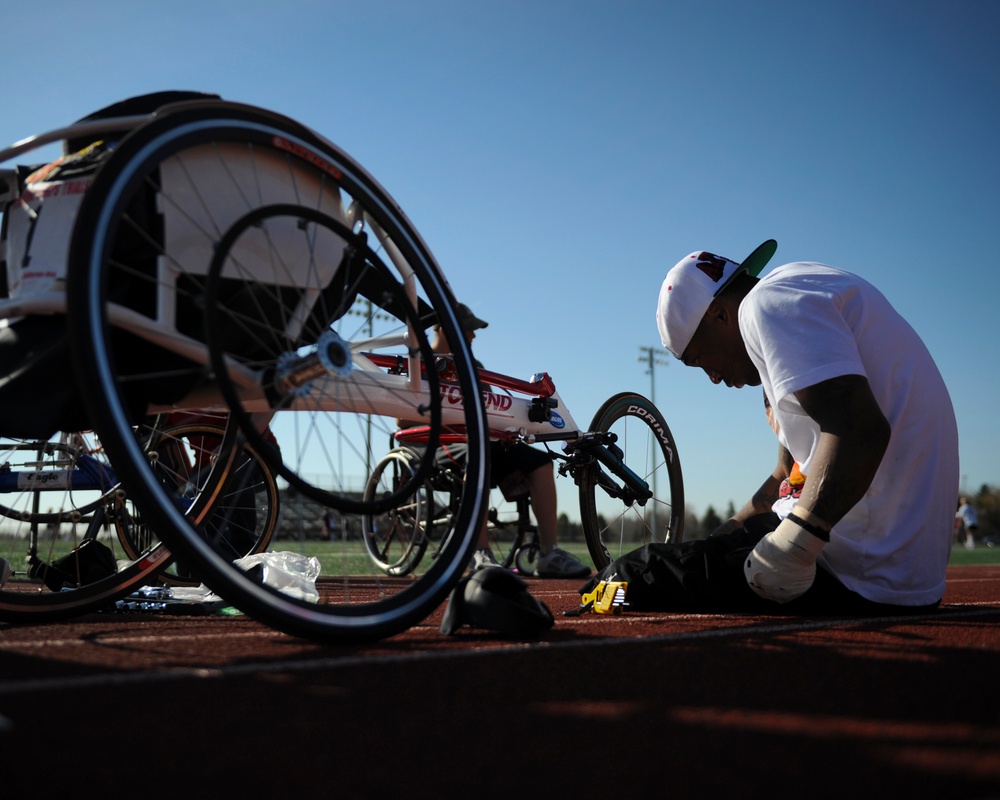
x: 558, y: 157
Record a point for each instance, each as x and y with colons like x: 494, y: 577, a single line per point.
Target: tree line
x: 986, y: 502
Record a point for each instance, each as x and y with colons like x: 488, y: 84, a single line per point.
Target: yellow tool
x: 608, y: 597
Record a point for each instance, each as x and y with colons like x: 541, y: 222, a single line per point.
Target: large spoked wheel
x: 226, y: 257
x: 614, y: 526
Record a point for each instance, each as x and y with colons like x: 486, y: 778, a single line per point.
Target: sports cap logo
x: 711, y: 265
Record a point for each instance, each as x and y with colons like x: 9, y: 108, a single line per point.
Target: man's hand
x: 783, y: 564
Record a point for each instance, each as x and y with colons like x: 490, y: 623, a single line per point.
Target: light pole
x: 652, y: 359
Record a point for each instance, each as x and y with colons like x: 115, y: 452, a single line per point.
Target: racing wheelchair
x: 188, y: 254
x: 625, y: 465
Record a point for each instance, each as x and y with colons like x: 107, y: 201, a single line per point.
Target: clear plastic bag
x: 291, y: 573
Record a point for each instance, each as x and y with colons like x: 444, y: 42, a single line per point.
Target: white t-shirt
x: 805, y: 323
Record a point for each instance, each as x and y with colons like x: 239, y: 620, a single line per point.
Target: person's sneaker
x: 483, y: 557
x: 560, y: 564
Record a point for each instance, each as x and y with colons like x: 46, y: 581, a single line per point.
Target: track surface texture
x: 159, y: 705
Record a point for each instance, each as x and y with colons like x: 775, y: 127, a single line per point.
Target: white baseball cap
x: 690, y: 287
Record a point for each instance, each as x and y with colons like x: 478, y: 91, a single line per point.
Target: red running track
x: 679, y: 705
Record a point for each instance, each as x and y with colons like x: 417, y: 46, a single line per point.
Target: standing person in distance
x: 969, y: 520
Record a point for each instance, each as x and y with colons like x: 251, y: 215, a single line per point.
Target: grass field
x: 981, y: 555
x: 336, y: 558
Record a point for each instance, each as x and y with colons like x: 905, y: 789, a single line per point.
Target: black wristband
x: 815, y: 530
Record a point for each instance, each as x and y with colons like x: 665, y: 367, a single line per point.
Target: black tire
x: 238, y: 181
x: 526, y: 558
x: 611, y: 526
x: 32, y: 596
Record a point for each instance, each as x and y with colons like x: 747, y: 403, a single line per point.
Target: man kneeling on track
x: 858, y: 405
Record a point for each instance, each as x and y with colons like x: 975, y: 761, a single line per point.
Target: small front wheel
x: 614, y: 525
x: 397, y: 539
x: 526, y: 558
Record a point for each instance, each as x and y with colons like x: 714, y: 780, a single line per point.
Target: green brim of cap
x: 752, y: 264
x: 758, y: 259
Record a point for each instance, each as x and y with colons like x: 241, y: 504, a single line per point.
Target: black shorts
x: 507, y: 461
